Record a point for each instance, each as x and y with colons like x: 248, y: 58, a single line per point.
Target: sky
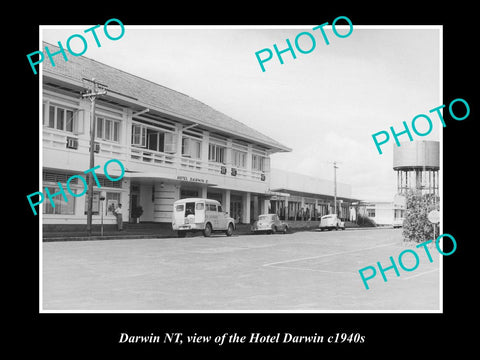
x: 324, y: 105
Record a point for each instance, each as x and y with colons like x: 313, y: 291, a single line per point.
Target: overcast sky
x: 325, y: 105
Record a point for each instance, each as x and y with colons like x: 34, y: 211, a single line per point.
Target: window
x: 179, y: 208
x: 104, y: 182
x: 191, y: 148
x: 59, y: 177
x: 371, y: 212
x: 62, y: 207
x: 219, y: 208
x: 107, y: 129
x: 186, y: 193
x: 51, y: 117
x: 139, y: 135
x: 189, y: 208
x: 239, y: 159
x: 109, y: 204
x: 199, y: 206
x: 170, y: 143
x: 152, y: 140
x: 216, y: 153
x: 258, y: 162
x: 59, y: 118
x: 99, y: 128
x: 95, y: 203
x: 155, y: 140
x: 211, y: 207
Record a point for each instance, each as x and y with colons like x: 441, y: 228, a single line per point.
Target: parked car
x: 397, y: 223
x: 330, y: 222
x: 269, y: 223
x: 197, y: 214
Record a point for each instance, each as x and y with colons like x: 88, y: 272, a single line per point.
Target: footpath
x: 155, y: 230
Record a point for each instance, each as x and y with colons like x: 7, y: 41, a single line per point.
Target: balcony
x: 66, y: 141
x: 151, y: 157
x: 157, y: 158
x: 62, y: 141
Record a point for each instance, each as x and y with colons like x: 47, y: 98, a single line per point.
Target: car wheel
x: 181, y: 234
x: 285, y: 229
x: 274, y: 230
x: 208, y: 230
x: 229, y: 231
x: 336, y: 228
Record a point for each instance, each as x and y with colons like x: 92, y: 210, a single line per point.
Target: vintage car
x: 269, y: 223
x: 330, y: 222
x: 398, y: 223
x: 196, y: 214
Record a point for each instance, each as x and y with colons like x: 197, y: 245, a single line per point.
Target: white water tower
x: 417, y: 164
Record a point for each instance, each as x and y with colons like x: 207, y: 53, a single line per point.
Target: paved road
x: 311, y: 271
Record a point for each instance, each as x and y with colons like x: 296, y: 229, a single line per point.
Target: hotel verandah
x: 179, y: 148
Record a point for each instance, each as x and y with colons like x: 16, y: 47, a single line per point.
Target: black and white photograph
x: 240, y: 184
x: 263, y: 184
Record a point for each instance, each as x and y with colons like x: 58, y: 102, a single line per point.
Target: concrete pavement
x: 302, y: 271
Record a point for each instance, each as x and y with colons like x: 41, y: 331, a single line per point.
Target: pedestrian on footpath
x: 119, y: 215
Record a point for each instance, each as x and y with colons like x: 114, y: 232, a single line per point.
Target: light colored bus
x: 197, y: 214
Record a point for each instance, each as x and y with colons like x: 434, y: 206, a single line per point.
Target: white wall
x: 165, y: 196
x: 384, y: 212
x: 280, y: 179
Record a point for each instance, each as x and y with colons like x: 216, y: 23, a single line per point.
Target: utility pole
x: 335, y: 167
x: 94, y: 89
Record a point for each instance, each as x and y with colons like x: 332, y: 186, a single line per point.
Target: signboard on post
x: 434, y: 216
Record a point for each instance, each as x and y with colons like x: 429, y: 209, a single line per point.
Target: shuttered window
x: 59, y: 118
x: 54, y: 177
x: 216, y: 153
x: 107, y: 129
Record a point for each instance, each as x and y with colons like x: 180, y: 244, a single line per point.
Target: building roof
x: 139, y: 91
x: 304, y: 185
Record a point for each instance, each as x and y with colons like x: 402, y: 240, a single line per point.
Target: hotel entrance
x: 236, y: 207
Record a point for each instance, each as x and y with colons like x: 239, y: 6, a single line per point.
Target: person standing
x: 118, y: 213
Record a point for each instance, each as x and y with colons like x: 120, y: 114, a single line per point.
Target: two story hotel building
x: 171, y: 145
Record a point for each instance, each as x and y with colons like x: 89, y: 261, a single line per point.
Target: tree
x: 416, y: 226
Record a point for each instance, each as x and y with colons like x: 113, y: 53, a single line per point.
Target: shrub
x: 137, y: 211
x: 416, y: 226
x: 365, y: 221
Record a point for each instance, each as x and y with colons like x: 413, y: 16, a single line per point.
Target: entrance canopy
x: 151, y: 176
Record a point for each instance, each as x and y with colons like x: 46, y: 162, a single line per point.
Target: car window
x: 199, y: 206
x: 212, y: 207
x: 189, y: 208
x: 219, y: 207
x: 263, y: 217
x: 179, y: 207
